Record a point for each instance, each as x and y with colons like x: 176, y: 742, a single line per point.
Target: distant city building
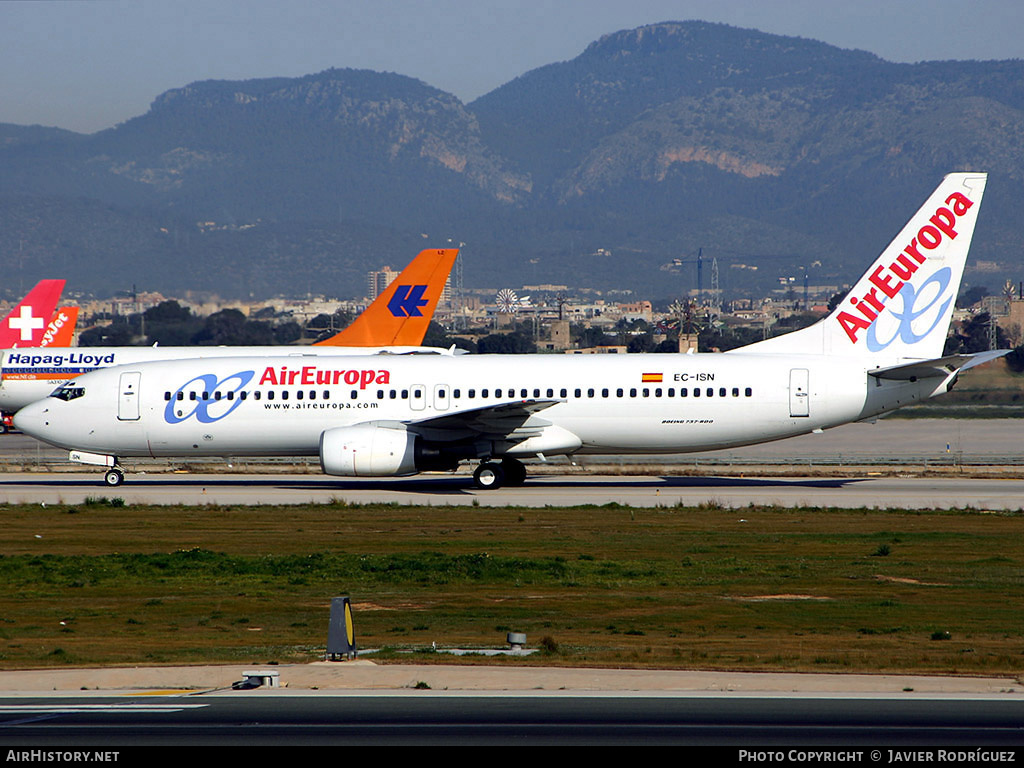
x: 636, y: 310
x: 378, y: 281
x: 609, y: 350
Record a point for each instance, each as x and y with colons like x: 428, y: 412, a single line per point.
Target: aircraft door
x: 799, y: 392
x: 441, y: 396
x: 128, y: 396
x: 417, y: 397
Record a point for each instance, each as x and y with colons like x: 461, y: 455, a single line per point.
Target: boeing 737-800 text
x: 879, y: 350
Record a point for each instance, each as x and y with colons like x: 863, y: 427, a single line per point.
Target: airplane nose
x: 33, y: 419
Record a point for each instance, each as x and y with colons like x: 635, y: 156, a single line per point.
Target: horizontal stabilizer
x: 938, y: 368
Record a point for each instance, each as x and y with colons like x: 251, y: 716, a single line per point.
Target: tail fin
x: 901, y: 307
x: 401, y: 314
x: 61, y: 330
x: 25, y: 324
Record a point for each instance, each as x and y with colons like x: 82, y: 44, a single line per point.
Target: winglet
x: 25, y: 325
x: 401, y: 314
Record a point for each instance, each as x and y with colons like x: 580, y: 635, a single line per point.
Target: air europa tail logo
x: 890, y: 281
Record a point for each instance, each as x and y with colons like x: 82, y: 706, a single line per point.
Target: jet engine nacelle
x: 367, y: 450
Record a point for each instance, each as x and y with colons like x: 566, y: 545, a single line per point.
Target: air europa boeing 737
x: 395, y: 322
x: 880, y: 349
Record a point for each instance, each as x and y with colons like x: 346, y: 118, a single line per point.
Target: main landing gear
x: 491, y: 475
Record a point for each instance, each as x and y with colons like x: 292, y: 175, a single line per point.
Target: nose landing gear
x: 113, y: 477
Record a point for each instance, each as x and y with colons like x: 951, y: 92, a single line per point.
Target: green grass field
x: 758, y: 588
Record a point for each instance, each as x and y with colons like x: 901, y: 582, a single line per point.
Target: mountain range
x: 780, y: 153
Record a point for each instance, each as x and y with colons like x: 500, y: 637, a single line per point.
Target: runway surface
x: 559, y: 490
x: 429, y: 718
x: 359, y: 702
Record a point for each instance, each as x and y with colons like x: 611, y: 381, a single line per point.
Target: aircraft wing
x: 940, y: 367
x: 502, y: 421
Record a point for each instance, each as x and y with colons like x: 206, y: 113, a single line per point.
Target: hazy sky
x: 89, y: 64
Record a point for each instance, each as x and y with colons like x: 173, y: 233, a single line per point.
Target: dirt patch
x: 900, y: 580
x: 762, y: 598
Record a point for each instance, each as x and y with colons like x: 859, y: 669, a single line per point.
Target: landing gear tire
x: 113, y: 478
x: 515, y: 471
x: 489, y: 476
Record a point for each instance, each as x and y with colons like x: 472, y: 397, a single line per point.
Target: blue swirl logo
x: 905, y: 326
x: 206, y: 409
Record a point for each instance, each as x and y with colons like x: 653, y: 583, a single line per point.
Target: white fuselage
x: 605, y: 404
x: 30, y: 374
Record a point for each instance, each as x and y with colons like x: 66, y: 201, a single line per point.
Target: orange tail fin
x: 26, y: 323
x: 61, y: 330
x: 401, y: 314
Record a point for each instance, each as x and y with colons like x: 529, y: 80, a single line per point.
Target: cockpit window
x: 67, y: 392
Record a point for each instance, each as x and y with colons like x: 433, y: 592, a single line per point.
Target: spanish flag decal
x: 654, y: 378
